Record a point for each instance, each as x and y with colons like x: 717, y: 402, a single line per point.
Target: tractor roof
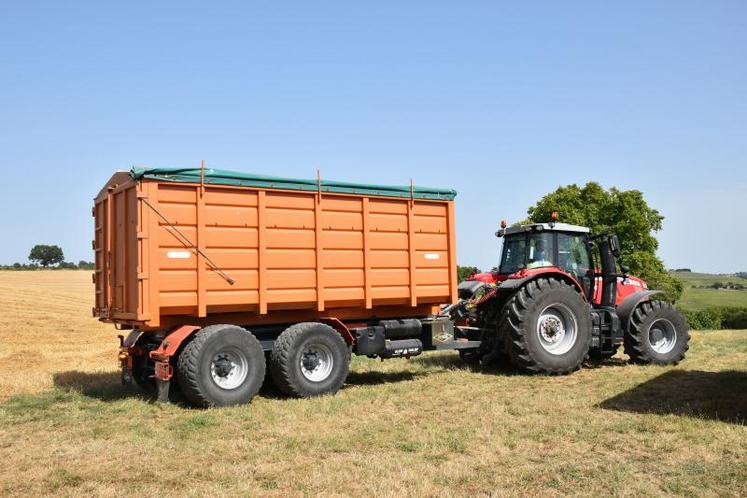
x: 540, y: 227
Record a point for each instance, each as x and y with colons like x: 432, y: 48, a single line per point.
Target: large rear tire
x: 548, y: 325
x: 309, y: 359
x: 658, y: 334
x: 222, y: 365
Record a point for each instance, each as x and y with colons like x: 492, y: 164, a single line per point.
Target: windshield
x: 514, y: 251
x: 527, y: 251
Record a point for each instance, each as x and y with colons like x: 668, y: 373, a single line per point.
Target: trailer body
x: 195, y: 247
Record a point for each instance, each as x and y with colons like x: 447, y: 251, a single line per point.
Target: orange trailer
x: 211, y: 269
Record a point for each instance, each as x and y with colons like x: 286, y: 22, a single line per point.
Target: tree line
x: 44, y: 256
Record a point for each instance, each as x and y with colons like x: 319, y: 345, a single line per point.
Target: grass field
x: 695, y: 298
x: 426, y: 426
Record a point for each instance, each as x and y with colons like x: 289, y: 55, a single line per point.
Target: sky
x: 502, y: 101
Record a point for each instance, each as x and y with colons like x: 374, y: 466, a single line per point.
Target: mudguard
x: 515, y: 283
x: 630, y: 303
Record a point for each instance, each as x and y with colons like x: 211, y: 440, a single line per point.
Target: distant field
x: 428, y: 426
x: 695, y: 298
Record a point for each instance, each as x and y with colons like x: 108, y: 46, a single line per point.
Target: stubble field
x: 425, y: 426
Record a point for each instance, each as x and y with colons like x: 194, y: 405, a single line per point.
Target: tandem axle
x: 318, y: 351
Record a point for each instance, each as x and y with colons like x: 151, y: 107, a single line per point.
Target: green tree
x: 46, y: 255
x: 624, y: 212
x: 465, y: 271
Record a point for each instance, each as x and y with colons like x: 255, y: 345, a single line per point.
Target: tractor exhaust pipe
x: 609, y: 248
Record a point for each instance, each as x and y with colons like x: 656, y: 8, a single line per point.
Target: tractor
x: 547, y: 308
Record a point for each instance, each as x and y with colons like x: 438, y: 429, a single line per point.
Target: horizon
x: 501, y: 102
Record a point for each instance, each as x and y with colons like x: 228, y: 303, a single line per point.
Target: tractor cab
x: 541, y: 246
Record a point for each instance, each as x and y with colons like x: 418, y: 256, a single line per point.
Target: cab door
x: 573, y: 257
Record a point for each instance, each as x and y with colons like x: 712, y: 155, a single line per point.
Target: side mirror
x: 615, y: 246
x: 625, y: 269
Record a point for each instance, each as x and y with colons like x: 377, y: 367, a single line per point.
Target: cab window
x: 541, y: 250
x: 573, y: 256
x: 514, y: 252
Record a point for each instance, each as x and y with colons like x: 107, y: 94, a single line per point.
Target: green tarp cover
x: 223, y: 177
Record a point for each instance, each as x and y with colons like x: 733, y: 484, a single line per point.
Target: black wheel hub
x: 656, y: 335
x: 310, y: 361
x: 223, y: 366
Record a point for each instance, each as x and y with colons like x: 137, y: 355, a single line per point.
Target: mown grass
x: 425, y: 426
x: 696, y: 298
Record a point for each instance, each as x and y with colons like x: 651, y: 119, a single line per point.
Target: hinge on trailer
x: 163, y: 371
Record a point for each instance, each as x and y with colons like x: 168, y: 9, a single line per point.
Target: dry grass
x: 427, y: 426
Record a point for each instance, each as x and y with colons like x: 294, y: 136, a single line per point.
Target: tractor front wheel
x: 548, y: 325
x: 657, y: 334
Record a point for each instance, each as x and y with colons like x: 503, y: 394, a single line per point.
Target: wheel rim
x: 557, y: 329
x: 316, y: 362
x: 662, y: 335
x: 229, y: 368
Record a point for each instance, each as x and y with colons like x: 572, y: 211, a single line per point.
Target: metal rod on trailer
x: 202, y: 179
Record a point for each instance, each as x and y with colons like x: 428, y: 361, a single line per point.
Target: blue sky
x: 501, y: 101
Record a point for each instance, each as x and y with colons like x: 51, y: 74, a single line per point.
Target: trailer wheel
x: 549, y: 327
x: 658, y: 334
x: 309, y: 359
x: 222, y: 365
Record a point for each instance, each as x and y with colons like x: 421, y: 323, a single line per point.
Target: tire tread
x: 511, y: 322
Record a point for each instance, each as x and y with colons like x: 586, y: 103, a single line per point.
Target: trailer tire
x: 222, y: 365
x: 530, y: 318
x: 309, y: 359
x: 657, y: 335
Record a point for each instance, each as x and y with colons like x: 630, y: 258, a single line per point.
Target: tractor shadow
x: 444, y: 362
x: 608, y: 362
x: 710, y: 395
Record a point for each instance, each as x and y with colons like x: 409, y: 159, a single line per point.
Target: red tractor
x: 547, y: 308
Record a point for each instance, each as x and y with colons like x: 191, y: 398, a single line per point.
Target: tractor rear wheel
x: 222, y: 365
x: 309, y: 359
x: 548, y: 325
x: 657, y: 334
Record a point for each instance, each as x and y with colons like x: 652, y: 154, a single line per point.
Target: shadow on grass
x: 107, y: 386
x: 499, y: 366
x: 712, y: 395
x: 608, y: 362
x: 373, y: 378
x: 104, y: 386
